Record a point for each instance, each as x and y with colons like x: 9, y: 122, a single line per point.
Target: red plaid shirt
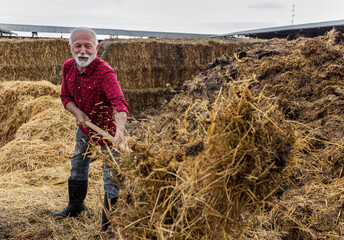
x: 96, y: 92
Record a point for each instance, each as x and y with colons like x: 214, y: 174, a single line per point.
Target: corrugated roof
x: 292, y: 31
x: 101, y: 31
x: 5, y: 31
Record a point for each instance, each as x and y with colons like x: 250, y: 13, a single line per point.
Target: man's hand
x: 79, y: 115
x: 119, y: 140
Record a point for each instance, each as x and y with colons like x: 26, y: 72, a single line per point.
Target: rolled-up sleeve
x: 114, y: 93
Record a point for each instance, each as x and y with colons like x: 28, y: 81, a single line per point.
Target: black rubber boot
x: 77, y: 194
x: 105, y: 220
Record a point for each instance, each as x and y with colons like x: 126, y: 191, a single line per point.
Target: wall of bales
x: 144, y: 66
x: 33, y: 59
x: 155, y: 63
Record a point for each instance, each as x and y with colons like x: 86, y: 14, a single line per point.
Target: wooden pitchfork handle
x: 106, y: 135
x: 100, y: 131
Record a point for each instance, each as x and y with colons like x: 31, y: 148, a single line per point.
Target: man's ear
x: 97, y: 47
x: 70, y: 47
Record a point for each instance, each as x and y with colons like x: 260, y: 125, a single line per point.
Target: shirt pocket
x: 70, y: 80
x: 91, y: 93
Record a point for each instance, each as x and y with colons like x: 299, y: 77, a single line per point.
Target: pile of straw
x: 37, y: 143
x: 19, y: 102
x: 195, y: 173
x: 231, y: 165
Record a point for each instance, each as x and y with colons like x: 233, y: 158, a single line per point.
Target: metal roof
x: 100, y: 31
x: 5, y: 31
x: 291, y: 31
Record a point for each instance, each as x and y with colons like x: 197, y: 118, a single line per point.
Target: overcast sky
x: 193, y: 16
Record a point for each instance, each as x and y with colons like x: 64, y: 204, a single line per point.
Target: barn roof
x: 101, y: 31
x: 4, y: 31
x: 291, y: 31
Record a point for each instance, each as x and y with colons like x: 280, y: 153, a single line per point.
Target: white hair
x: 83, y: 29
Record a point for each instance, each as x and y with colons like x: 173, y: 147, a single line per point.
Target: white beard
x: 84, y: 63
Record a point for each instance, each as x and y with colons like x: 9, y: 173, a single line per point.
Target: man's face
x: 83, y: 48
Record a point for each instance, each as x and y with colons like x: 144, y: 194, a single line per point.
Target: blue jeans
x: 80, y: 163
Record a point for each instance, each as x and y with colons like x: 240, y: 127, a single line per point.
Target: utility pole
x: 293, y: 15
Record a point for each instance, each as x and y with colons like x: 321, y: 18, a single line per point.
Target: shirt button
x: 79, y: 100
x: 79, y: 87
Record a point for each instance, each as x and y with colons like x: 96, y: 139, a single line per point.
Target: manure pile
x: 250, y: 148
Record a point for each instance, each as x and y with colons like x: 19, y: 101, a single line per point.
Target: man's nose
x: 83, y: 50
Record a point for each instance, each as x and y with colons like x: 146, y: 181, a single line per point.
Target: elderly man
x: 91, y: 92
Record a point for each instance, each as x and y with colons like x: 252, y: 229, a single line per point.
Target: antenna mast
x: 293, y: 15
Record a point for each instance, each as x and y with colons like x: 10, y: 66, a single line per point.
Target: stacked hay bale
x: 154, y: 63
x: 148, y: 69
x: 33, y: 59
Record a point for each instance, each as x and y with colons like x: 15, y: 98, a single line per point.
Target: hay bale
x: 140, y: 100
x: 33, y: 59
x: 140, y: 64
x: 148, y: 69
x: 150, y: 63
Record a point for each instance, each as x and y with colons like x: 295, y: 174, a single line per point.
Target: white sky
x: 193, y: 16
